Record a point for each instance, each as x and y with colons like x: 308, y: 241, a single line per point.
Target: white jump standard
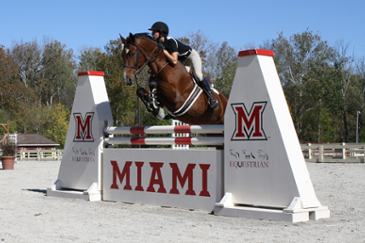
x: 265, y: 175
x: 261, y: 172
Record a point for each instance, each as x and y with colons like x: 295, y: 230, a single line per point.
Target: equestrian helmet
x: 160, y: 27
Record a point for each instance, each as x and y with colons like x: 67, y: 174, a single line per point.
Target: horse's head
x: 135, y: 57
x: 131, y: 60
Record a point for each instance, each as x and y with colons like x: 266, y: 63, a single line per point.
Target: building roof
x: 34, y: 140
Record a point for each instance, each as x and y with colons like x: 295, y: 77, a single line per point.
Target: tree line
x: 324, y: 85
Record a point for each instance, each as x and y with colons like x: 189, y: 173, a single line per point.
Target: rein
x: 149, y: 59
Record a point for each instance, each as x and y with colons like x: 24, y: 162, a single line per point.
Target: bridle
x: 149, y: 59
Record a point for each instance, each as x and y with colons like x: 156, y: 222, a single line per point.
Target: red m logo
x: 83, y: 129
x: 249, y: 125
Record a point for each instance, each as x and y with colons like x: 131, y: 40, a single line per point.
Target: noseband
x: 149, y: 59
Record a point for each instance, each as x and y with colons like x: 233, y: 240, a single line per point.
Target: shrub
x: 8, y: 148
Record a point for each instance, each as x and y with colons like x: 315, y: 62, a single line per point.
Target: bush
x: 8, y: 148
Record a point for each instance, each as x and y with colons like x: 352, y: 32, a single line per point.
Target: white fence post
x: 320, y: 150
x: 343, y: 151
x: 174, y: 135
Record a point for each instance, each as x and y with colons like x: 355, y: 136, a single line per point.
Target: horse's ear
x: 131, y: 37
x: 124, y: 41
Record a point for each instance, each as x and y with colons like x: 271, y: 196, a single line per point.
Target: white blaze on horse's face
x: 124, y: 74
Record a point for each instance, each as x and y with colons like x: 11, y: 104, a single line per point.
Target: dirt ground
x: 28, y: 215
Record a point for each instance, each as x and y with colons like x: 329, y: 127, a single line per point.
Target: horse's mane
x: 140, y: 35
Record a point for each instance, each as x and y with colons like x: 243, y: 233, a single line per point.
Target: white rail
x: 34, y: 154
x: 340, y: 152
x: 332, y: 153
x: 166, y: 129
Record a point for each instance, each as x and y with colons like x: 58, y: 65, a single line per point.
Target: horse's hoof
x: 159, y: 113
x: 168, y: 117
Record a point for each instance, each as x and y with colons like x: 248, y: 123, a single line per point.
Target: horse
x: 171, y: 85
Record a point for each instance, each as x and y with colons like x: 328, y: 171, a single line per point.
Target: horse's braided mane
x: 140, y: 35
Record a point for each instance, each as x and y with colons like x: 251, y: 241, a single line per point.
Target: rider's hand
x: 161, y: 46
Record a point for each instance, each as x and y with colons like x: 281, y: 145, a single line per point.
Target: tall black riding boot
x: 213, y: 102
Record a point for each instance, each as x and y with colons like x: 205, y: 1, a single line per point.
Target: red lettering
x: 249, y: 124
x: 125, y: 173
x: 157, y: 178
x: 182, y: 179
x: 83, y: 127
x: 204, y: 192
x: 139, y: 176
x: 156, y: 170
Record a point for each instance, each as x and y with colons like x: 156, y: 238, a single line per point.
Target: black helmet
x: 160, y: 27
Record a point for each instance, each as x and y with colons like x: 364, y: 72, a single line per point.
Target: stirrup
x: 213, y: 103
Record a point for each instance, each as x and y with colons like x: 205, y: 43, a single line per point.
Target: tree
x: 4, y: 118
x: 225, y: 68
x: 123, y: 99
x: 8, y: 79
x: 56, y: 74
x: 219, y: 61
x: 360, y: 71
x: 295, y: 59
x: 57, y: 126
x: 28, y: 58
x: 88, y: 59
x: 205, y: 48
x: 342, y: 70
x: 47, y: 70
x: 13, y: 93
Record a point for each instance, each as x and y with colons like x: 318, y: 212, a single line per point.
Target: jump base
x: 89, y: 195
x: 272, y: 214
x: 293, y: 213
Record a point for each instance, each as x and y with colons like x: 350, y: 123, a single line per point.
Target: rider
x: 176, y: 51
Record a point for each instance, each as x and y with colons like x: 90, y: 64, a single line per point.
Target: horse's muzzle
x: 128, y: 81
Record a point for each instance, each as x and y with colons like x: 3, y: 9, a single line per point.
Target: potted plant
x: 8, y: 150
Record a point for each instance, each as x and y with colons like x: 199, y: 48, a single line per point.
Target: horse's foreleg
x: 154, y: 93
x: 145, y: 96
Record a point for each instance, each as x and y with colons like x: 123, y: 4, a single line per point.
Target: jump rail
x: 166, y: 141
x: 166, y: 129
x: 206, y: 129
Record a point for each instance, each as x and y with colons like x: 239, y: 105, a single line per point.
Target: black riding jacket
x: 172, y: 45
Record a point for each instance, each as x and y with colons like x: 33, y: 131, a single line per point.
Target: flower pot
x: 8, y: 162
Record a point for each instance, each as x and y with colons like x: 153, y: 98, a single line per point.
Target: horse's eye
x: 132, y: 54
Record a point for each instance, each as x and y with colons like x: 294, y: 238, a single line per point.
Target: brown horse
x: 175, y: 87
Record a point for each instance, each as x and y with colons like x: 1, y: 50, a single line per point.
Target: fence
x: 334, y: 153
x: 34, y: 154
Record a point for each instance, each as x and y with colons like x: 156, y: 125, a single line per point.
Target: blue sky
x: 93, y: 23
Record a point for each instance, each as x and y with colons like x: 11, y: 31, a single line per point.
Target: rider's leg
x: 196, y: 62
x: 213, y: 103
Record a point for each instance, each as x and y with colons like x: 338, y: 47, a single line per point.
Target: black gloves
x: 161, y: 46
